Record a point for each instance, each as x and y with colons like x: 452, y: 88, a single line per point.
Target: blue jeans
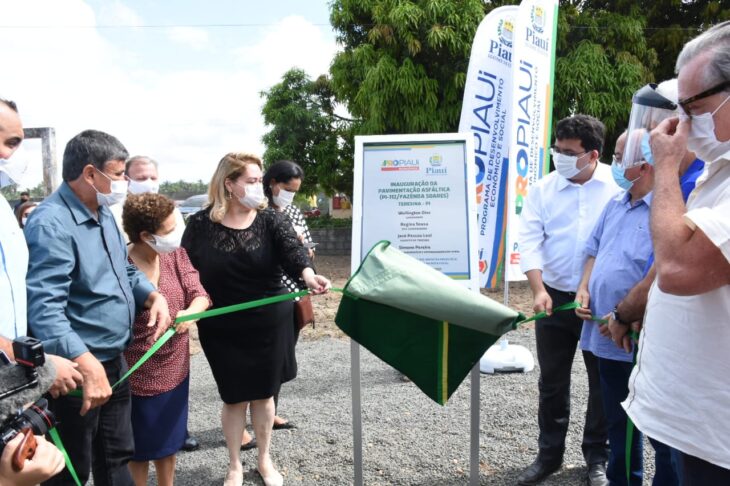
x: 698, y: 472
x: 100, y: 441
x: 614, y: 389
x: 668, y: 464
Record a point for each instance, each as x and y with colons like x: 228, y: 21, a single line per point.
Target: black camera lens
x: 37, y: 417
x: 40, y: 419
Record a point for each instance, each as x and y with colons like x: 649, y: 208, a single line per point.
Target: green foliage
x: 403, y: 64
x: 328, y: 221
x: 602, y: 59
x: 182, y: 189
x: 306, y: 130
x: 402, y: 69
x: 12, y: 192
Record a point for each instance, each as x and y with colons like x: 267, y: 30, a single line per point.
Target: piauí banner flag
x: 486, y: 112
x: 419, y: 321
x: 533, y: 73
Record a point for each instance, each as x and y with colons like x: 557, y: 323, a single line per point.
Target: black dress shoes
x: 191, y: 444
x: 536, y: 472
x: 597, y: 475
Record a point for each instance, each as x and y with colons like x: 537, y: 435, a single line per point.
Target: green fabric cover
x: 419, y: 321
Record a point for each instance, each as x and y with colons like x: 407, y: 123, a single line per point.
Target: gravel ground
x: 408, y: 439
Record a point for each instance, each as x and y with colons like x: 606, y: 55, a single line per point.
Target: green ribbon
x: 201, y: 315
x: 57, y: 441
x: 564, y: 307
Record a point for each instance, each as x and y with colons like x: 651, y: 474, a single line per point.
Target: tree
x: 182, y: 189
x: 602, y: 58
x: 403, y: 64
x: 669, y: 24
x: 306, y: 130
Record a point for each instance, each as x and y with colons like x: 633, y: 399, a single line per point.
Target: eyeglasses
x: 708, y: 92
x: 555, y: 150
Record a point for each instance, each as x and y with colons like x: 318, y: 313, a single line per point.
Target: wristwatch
x: 616, y: 317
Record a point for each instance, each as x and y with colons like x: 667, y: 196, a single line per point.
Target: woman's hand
x: 183, y: 326
x: 317, y: 284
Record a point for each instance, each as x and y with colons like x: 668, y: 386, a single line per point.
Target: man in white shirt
x: 143, y: 177
x: 678, y: 391
x: 48, y: 460
x: 559, y: 214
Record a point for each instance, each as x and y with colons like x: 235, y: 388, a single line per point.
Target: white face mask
x: 284, y: 198
x: 118, y: 192
x: 702, y: 139
x: 24, y: 220
x: 254, y: 195
x: 566, y: 164
x: 141, y: 187
x: 12, y: 172
x: 167, y: 243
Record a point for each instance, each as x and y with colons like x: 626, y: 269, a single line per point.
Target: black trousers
x: 557, y: 339
x: 698, y: 472
x: 101, y: 441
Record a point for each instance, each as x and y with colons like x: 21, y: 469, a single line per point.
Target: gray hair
x: 716, y: 41
x: 139, y: 158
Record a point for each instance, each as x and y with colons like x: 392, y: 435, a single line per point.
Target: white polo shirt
x: 13, y: 268
x: 556, y: 221
x: 679, y: 391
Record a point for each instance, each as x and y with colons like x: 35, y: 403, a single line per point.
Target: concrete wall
x: 332, y: 241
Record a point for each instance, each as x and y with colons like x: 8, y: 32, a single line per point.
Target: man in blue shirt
x: 82, y: 298
x: 617, y: 251
x: 668, y: 466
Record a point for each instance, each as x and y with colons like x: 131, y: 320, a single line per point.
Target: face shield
x: 649, y: 108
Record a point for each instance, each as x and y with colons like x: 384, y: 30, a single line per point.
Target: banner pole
x: 356, y: 412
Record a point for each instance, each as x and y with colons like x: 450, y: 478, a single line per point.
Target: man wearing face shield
x: 678, y: 390
x: 559, y: 213
x: 617, y: 254
x: 653, y: 104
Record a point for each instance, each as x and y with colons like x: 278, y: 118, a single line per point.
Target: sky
x: 178, y: 81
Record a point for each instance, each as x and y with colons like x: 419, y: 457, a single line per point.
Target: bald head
x: 11, y: 129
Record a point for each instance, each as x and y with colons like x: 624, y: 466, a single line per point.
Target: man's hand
x: 96, y: 385
x: 584, y: 298
x: 619, y: 333
x: 542, y: 302
x: 159, y: 314
x: 45, y: 463
x: 669, y: 143
x: 67, y: 376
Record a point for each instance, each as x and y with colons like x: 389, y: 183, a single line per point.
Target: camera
x: 23, y: 375
x: 29, y: 355
x: 36, y: 418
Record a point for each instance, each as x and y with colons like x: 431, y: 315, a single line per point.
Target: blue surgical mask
x: 646, y: 149
x: 620, y: 177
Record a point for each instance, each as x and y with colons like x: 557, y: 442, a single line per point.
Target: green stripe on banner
x: 59, y: 444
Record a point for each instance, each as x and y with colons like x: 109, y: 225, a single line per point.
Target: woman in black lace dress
x: 241, y: 253
x: 282, y: 180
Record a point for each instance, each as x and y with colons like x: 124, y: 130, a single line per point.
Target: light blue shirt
x: 13, y: 265
x: 81, y: 289
x: 621, y: 244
